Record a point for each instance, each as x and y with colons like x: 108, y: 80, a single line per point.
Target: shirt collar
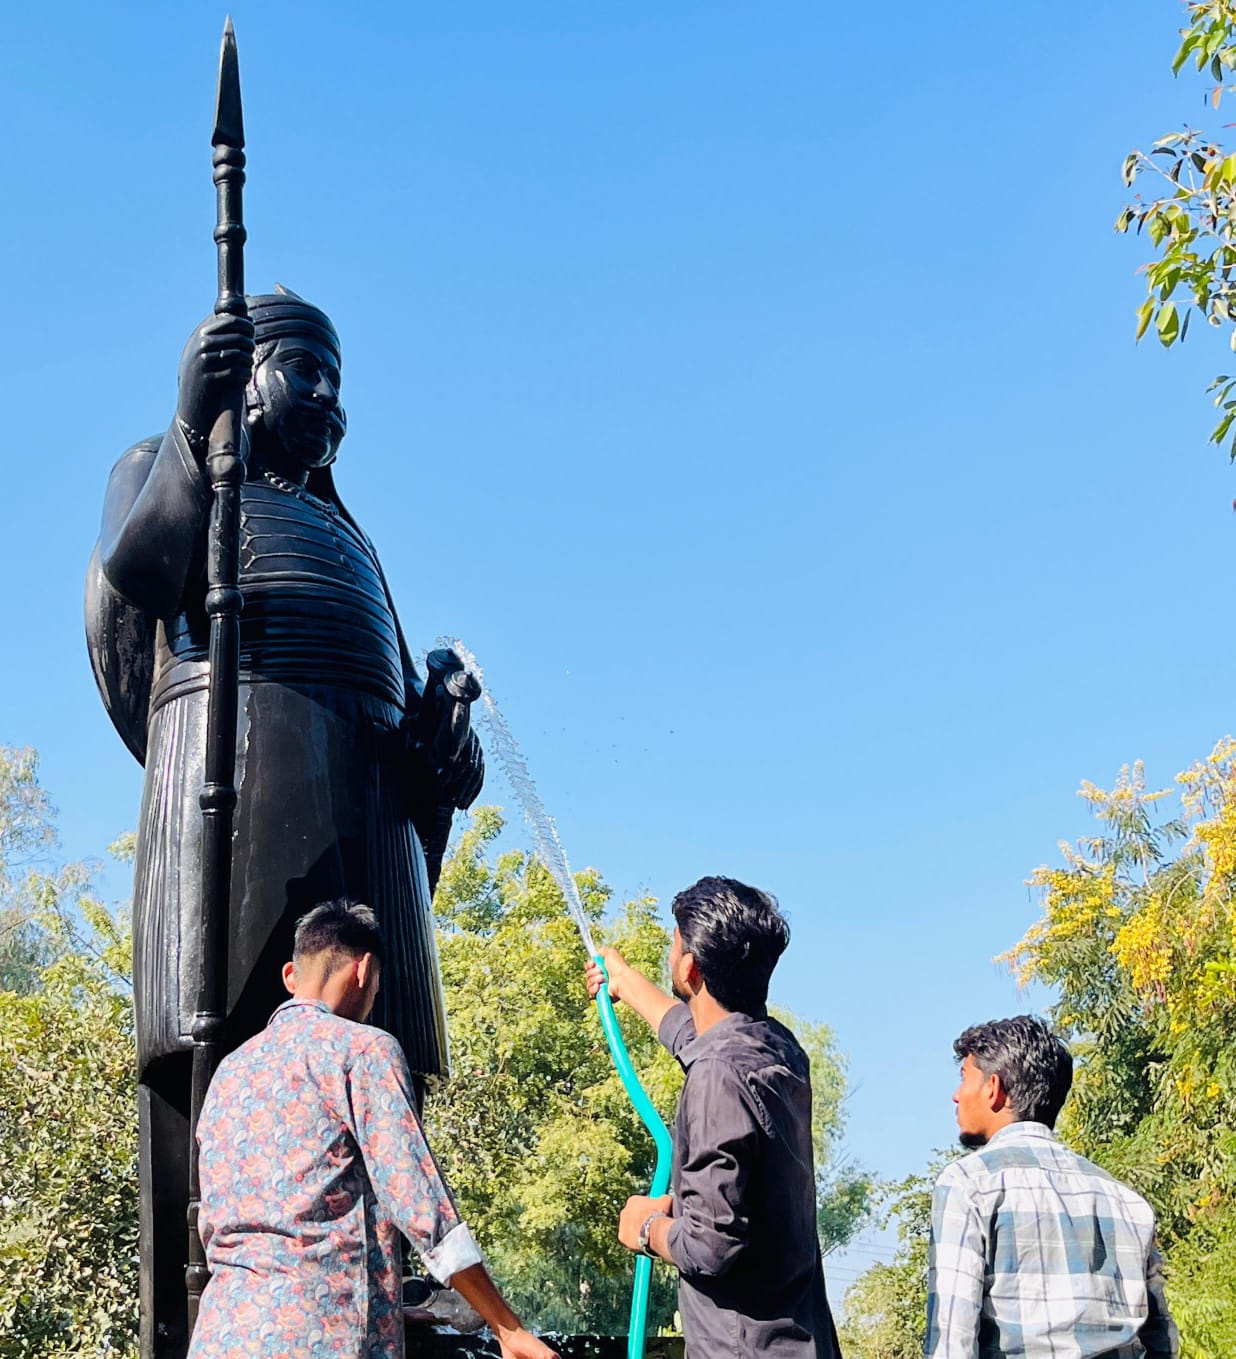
x: 297, y: 1003
x: 1025, y: 1129
x: 715, y: 1036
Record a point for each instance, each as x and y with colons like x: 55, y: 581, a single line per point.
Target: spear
x: 217, y: 799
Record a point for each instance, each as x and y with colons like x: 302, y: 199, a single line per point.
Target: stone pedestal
x: 426, y: 1343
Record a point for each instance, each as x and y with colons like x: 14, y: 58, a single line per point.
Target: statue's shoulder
x: 135, y: 461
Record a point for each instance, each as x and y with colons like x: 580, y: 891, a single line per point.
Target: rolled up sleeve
x: 676, y: 1029
x: 711, y: 1228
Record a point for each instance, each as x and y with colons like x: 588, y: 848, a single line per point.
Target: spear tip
x: 229, y: 125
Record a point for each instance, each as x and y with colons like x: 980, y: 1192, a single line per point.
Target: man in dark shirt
x: 740, y: 1224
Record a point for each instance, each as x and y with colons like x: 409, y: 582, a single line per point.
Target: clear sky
x: 751, y: 385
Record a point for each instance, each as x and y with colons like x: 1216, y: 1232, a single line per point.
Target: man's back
x: 1041, y: 1254
x: 310, y: 1155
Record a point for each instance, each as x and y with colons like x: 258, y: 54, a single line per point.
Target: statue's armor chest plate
x: 315, y: 612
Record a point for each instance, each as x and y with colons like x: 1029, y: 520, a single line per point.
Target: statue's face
x: 295, y: 397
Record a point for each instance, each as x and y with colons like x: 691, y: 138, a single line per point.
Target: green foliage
x: 534, y: 1129
x: 68, y: 1136
x: 1190, y: 215
x: 27, y: 832
x: 845, y: 1193
x: 886, y: 1306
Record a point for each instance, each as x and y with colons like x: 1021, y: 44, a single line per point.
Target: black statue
x: 348, y: 766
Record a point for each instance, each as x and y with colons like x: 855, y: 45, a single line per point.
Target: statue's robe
x: 329, y: 798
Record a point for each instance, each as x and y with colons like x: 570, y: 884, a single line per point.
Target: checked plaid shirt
x: 1037, y: 1253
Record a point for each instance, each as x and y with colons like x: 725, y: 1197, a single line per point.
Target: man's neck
x: 999, y: 1123
x: 705, y: 1012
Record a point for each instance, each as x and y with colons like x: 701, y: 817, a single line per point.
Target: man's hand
x: 639, y: 1208
x: 522, y: 1344
x: 216, y: 365
x: 617, y: 967
x: 629, y: 984
x: 474, y: 1285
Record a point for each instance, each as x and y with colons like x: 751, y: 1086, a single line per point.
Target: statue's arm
x: 154, y: 522
x: 155, y: 515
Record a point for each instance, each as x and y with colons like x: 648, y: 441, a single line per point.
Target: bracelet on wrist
x: 645, y: 1234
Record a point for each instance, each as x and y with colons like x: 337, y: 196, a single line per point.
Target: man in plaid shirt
x: 1035, y: 1252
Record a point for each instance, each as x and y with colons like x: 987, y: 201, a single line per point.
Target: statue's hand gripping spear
x: 226, y: 469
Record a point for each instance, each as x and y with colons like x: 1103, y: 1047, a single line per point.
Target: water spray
x: 549, y: 849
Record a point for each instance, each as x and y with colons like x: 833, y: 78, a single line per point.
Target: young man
x: 740, y: 1224
x: 312, y: 1163
x: 1035, y: 1252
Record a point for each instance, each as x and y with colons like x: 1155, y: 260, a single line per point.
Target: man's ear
x: 289, y: 978
x: 997, y: 1096
x: 694, y: 977
x: 364, y: 969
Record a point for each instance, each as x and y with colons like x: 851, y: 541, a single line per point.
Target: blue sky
x: 752, y: 386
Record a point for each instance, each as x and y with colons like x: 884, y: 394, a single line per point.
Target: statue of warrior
x: 348, y: 767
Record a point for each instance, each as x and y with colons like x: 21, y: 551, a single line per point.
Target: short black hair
x: 1034, y: 1066
x: 343, y: 928
x: 736, y: 934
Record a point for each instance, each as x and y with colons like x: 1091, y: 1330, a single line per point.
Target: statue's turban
x: 281, y: 313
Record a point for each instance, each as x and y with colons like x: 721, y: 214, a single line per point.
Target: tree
x: 886, y: 1306
x: 1137, y: 938
x: 27, y: 832
x: 845, y: 1193
x: 1190, y: 216
x: 534, y: 1130
x: 68, y: 1136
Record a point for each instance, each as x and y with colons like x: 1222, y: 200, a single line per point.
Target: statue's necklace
x: 283, y: 484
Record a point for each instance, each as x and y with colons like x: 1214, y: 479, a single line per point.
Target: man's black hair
x: 737, y: 934
x: 1034, y: 1066
x: 343, y: 928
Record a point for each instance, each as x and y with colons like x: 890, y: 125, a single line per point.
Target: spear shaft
x: 226, y: 469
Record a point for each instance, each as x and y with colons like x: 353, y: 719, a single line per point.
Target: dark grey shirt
x: 744, y: 1232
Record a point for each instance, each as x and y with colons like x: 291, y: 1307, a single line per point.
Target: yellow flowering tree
x: 1136, y: 937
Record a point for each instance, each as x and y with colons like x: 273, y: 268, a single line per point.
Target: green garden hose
x: 652, y: 1120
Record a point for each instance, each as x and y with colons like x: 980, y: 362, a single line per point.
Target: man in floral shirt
x: 313, y: 1161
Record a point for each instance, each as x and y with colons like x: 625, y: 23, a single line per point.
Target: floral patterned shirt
x: 312, y: 1162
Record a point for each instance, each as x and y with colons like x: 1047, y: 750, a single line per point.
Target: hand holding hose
x: 628, y: 983
x: 614, y: 969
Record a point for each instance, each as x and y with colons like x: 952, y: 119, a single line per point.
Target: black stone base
x: 426, y: 1343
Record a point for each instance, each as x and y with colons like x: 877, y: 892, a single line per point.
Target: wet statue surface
x: 349, y: 765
